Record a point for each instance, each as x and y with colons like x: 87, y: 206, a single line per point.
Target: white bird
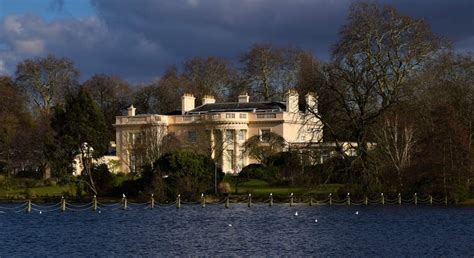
x: 99, y: 212
x: 357, y: 213
x: 296, y: 213
x: 230, y: 225
x: 41, y: 212
x: 123, y: 195
x: 316, y: 220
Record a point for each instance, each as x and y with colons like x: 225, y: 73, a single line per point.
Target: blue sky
x: 50, y: 10
x: 138, y: 39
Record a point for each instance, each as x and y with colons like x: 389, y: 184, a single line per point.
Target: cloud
x: 227, y: 28
x: 11, y: 24
x: 87, y: 41
x: 138, y: 39
x: 30, y: 46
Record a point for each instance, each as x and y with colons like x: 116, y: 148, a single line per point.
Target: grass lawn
x: 42, y: 191
x: 261, y: 188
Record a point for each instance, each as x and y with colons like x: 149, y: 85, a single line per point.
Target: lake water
x: 242, y: 231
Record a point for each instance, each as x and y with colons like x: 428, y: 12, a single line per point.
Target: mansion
x: 220, y: 128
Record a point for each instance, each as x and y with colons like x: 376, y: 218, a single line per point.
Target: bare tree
x: 47, y: 80
x: 161, y: 96
x: 208, y: 76
x: 378, y: 52
x: 269, y: 71
x: 148, y: 145
x: 396, y: 141
x: 261, y: 147
x: 112, y: 94
x: 15, y: 126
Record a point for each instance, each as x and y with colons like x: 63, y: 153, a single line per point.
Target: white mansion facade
x: 221, y: 127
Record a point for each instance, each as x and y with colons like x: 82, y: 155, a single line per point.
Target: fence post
x: 291, y: 199
x: 28, y: 207
x: 152, y: 201
x: 249, y: 200
x: 383, y: 198
x: 178, y: 201
x: 63, y: 204
x: 94, y: 203
x: 431, y: 200
x: 445, y: 200
x: 125, y: 204
x: 271, y: 200
x: 311, y: 201
x: 330, y: 199
x: 226, y: 202
x: 203, y: 200
x: 366, y: 200
x: 399, y: 199
x: 415, y: 197
x: 348, y: 198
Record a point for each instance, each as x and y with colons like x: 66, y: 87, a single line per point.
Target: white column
x: 224, y: 151
x: 236, y: 150
x: 213, y: 144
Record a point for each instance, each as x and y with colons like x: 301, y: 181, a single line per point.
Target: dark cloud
x: 137, y: 39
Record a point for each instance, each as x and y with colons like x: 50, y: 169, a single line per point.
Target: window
x: 230, y: 159
x: 271, y: 115
x: 264, y: 134
x: 218, y: 137
x: 242, y: 134
x: 229, y: 135
x: 192, y: 137
x: 241, y: 159
x: 242, y: 116
x: 230, y: 115
x: 132, y: 138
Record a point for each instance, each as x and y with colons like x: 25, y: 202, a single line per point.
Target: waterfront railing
x: 124, y: 204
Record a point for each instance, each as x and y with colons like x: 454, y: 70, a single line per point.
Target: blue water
x: 259, y: 230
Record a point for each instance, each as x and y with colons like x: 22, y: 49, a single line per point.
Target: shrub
x: 187, y: 173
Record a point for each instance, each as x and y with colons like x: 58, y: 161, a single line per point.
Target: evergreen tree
x: 80, y: 130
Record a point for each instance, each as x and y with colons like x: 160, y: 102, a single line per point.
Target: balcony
x: 226, y: 117
x: 267, y: 116
x: 140, y: 120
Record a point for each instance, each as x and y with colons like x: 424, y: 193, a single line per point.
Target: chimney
x: 187, y: 102
x: 292, y: 101
x: 311, y: 102
x: 207, y: 99
x: 244, y: 98
x: 131, y: 111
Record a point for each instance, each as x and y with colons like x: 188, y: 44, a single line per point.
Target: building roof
x: 240, y: 107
